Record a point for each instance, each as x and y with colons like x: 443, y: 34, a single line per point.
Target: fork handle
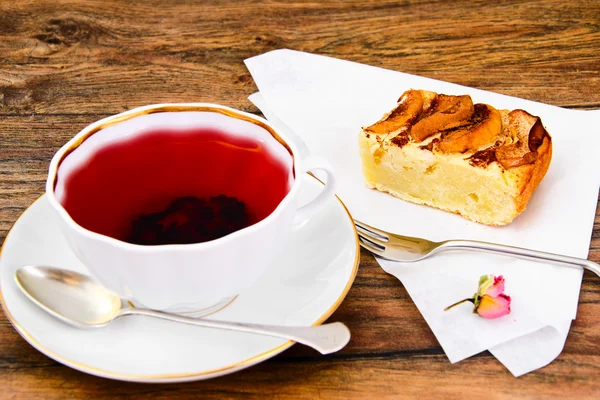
x: 518, y: 252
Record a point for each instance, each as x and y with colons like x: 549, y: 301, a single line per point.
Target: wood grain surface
x: 65, y: 64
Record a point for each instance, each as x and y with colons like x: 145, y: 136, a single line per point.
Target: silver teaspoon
x: 80, y: 301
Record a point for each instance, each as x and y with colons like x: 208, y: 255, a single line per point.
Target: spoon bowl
x: 78, y: 300
x: 69, y: 296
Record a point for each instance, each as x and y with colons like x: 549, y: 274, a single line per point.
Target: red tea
x: 190, y: 220
x: 124, y: 181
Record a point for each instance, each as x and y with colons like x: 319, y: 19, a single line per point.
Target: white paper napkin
x: 325, y: 102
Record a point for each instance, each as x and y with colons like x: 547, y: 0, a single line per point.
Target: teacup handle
x: 312, y: 163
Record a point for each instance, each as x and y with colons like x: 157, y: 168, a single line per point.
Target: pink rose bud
x: 489, y: 301
x: 493, y: 307
x: 491, y: 285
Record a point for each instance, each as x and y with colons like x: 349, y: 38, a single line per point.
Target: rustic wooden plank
x: 389, y: 376
x: 84, y: 57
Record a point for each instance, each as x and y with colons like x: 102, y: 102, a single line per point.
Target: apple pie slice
x: 446, y: 152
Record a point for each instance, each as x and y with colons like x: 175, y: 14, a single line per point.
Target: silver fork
x: 410, y: 249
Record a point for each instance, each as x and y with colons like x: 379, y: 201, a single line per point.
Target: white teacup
x: 184, y: 278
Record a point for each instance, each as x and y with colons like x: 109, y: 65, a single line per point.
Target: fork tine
x: 368, y: 229
x: 370, y: 248
x: 372, y: 240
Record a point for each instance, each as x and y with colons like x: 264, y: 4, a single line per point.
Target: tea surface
x: 143, y: 175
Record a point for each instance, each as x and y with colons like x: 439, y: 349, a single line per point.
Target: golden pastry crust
x: 528, y: 177
x: 446, y: 152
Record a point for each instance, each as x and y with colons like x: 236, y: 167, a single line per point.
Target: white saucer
x: 304, y: 286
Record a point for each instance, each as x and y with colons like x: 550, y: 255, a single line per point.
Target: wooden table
x: 65, y: 64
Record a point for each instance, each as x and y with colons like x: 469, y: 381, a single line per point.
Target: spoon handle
x: 326, y: 338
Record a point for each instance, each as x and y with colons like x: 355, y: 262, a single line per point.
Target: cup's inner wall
x: 141, y: 165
